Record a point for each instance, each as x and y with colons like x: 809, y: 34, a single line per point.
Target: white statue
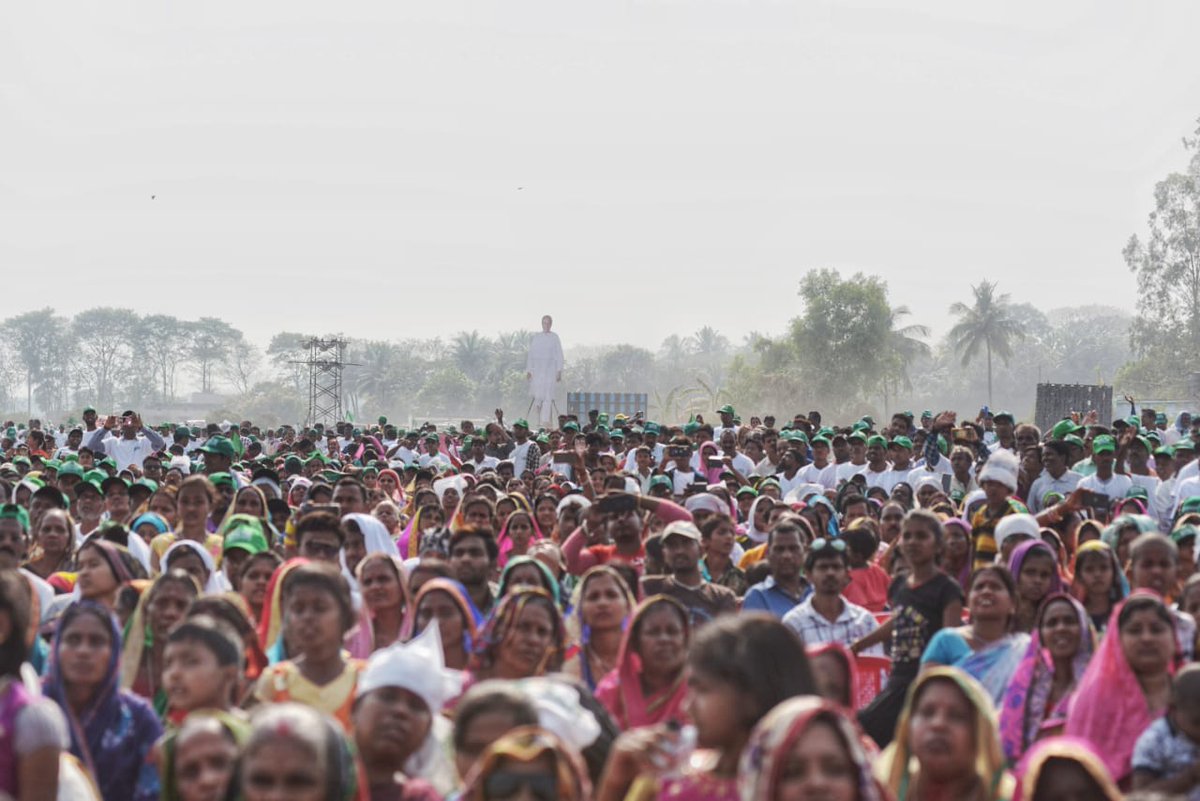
x: 543, y: 368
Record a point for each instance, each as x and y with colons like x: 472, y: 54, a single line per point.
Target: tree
x: 837, y: 339
x: 162, y: 342
x: 105, y: 348
x: 284, y: 351
x: 1167, y: 266
x: 32, y: 336
x: 471, y: 353
x: 243, y: 365
x: 905, y: 344
x: 448, y: 391
x: 987, y: 324
x: 209, y: 349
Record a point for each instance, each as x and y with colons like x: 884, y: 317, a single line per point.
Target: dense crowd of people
x: 921, y: 608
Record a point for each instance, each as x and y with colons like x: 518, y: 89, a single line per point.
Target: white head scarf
x: 214, y: 583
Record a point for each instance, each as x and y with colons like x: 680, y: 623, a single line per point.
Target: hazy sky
x: 395, y: 169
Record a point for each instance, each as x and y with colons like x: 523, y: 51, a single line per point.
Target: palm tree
x: 904, y: 347
x: 988, y: 324
x: 471, y: 352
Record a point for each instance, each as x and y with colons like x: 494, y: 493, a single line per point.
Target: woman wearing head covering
x: 551, y: 769
x: 295, y: 746
x: 1064, y: 767
x: 112, y: 730
x: 1098, y: 582
x: 1035, y: 569
x: 649, y: 683
x: 163, y: 604
x: 519, y: 531
x: 1036, y: 701
x: 946, y: 744
x: 384, y: 586
x: 1123, y: 530
x: 206, y: 742
x: 802, y: 741
x: 192, y: 558
x: 447, y: 604
x: 1127, y: 684
x: 524, y: 637
x: 270, y: 625
x: 425, y: 532
x: 409, y: 683
x: 525, y: 571
x: 600, y: 608
x: 149, y: 525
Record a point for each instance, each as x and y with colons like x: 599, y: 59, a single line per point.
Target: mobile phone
x: 715, y: 461
x: 679, y: 451
x: 564, y: 457
x: 616, y: 504
x: 1099, y: 504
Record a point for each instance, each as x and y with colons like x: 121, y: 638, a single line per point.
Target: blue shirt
x: 767, y: 597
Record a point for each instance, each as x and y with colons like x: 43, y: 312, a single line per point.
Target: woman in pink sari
x: 520, y: 531
x: 1128, y: 683
x: 649, y: 684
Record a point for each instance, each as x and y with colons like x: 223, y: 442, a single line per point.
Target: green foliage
x: 988, y: 325
x: 1167, y: 265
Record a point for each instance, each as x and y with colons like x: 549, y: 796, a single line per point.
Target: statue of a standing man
x: 543, y: 368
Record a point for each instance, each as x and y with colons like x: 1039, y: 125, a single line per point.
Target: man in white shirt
x: 727, y: 424
x: 826, y: 616
x: 878, y: 470
x: 821, y: 470
x: 74, y: 440
x: 478, y: 459
x: 858, y: 457
x: 741, y: 463
x: 1055, y: 476
x: 136, y: 442
x: 433, y: 457
x: 1104, y: 481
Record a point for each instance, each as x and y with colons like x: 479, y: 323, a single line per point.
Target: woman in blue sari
x: 986, y: 648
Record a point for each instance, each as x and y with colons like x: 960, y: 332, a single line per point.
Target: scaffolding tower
x: 326, y: 358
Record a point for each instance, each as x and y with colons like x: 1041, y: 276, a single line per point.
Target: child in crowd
x: 201, y: 666
x: 1166, y: 758
x: 869, y: 582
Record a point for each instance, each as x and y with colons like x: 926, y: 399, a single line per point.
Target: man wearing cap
x: 728, y: 423
x: 74, y: 441
x: 740, y: 461
x: 878, y: 470
x: 1005, y: 428
x: 218, y: 455
x: 1137, y: 467
x: 681, y: 553
x: 857, y: 442
x: 137, y: 441
x: 543, y: 370
x: 1056, y: 477
x: 1104, y: 481
x: 433, y: 457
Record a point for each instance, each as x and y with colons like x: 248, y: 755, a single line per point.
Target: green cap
x: 70, y: 469
x: 521, y: 422
x: 1071, y: 439
x: 52, y: 464
x: 902, y: 442
x: 1184, y: 532
x: 861, y: 425
x: 220, y: 446
x: 1137, y: 492
x: 245, y: 532
x: 616, y: 433
x: 1190, y: 506
x: 690, y: 428
x: 382, y: 420
x: 221, y: 480
x: 1064, y: 427
x: 877, y: 440
x: 660, y: 481
x: 432, y: 438
x: 1166, y: 450
x: 570, y: 425
x: 747, y: 491
x: 1004, y: 415
x: 12, y: 511
x: 652, y: 428
x: 726, y: 409
x: 857, y: 436
x: 1104, y: 443
x: 88, y: 485
x: 822, y: 441
x: 1184, y: 444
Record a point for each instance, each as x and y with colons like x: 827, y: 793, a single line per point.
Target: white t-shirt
x: 847, y: 469
x: 1115, y: 487
x: 825, y: 476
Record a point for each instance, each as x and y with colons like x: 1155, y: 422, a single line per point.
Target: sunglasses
x: 502, y: 784
x: 822, y: 543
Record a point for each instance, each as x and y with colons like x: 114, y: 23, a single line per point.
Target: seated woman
x: 191, y: 558
x: 528, y: 762
x: 103, y: 569
x: 160, y: 607
x: 1064, y: 769
x: 447, y: 603
x: 1099, y: 582
x: 199, y: 761
x: 945, y: 744
x: 1035, y: 703
x: 52, y: 540
x: 384, y: 587
x: 519, y: 532
x: 525, y: 571
x: 317, y: 613
x: 1035, y: 570
x: 600, y: 608
x: 294, y: 751
x: 524, y: 637
x: 835, y: 674
x: 648, y: 685
x: 1127, y: 684
x: 112, y: 730
x: 986, y: 649
x: 807, y: 748
x: 398, y: 725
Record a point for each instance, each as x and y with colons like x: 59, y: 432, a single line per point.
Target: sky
x: 637, y: 169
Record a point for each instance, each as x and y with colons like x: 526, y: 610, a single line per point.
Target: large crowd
x: 920, y: 608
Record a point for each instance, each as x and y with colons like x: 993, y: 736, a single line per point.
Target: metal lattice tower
x: 326, y: 358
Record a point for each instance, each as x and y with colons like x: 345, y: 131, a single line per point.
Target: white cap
x: 417, y: 666
x: 1011, y: 525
